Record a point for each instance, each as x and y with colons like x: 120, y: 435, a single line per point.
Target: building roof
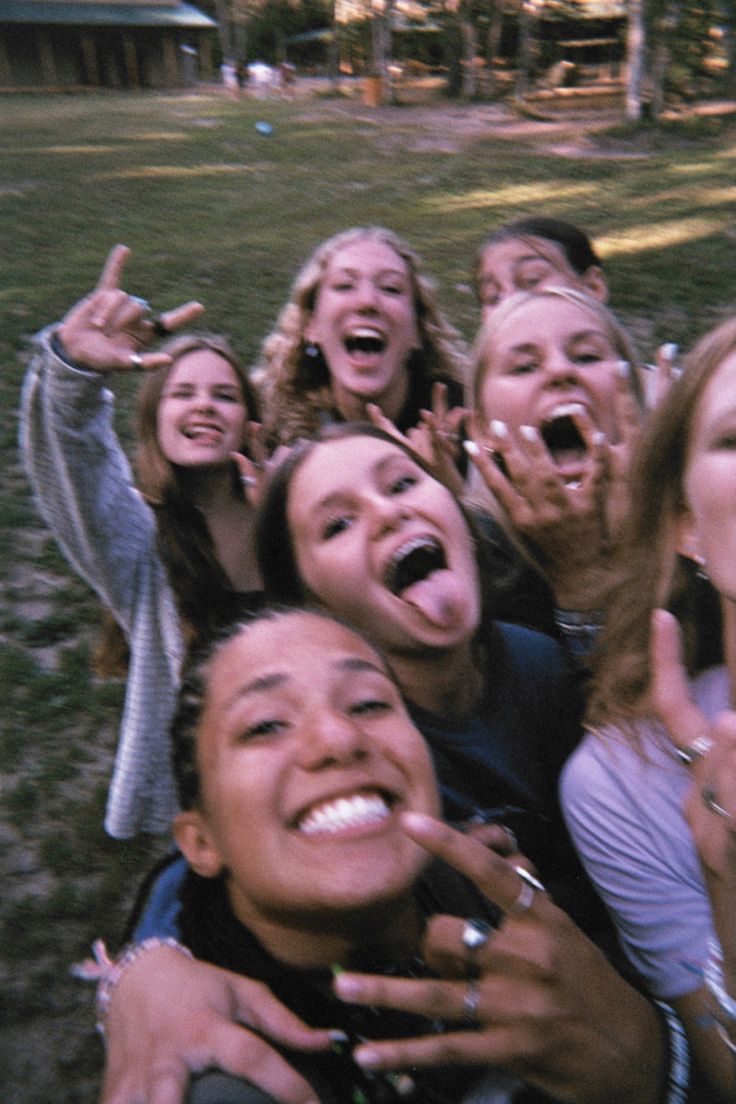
x: 105, y: 15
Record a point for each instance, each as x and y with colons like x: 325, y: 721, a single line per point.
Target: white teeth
x: 345, y: 812
x: 366, y: 331
x: 565, y: 410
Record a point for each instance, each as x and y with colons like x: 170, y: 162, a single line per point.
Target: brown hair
x: 296, y: 387
x: 201, y: 586
x: 651, y: 573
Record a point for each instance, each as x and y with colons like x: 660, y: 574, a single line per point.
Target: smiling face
x: 364, y: 321
x: 384, y: 545
x: 708, y: 530
x: 527, y: 264
x: 201, y: 416
x: 307, y: 758
x: 548, y: 356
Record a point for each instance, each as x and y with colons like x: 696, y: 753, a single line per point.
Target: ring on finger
x: 248, y: 480
x: 710, y: 800
x: 471, y: 1001
x: 139, y: 302
x: 529, y: 886
x: 475, y: 934
x: 696, y: 750
x: 136, y: 360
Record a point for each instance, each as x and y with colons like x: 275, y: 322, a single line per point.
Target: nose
x: 366, y: 295
x: 202, y: 400
x: 387, y: 513
x: 560, y: 370
x: 330, y: 739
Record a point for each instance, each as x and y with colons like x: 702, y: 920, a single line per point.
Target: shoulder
x: 530, y: 651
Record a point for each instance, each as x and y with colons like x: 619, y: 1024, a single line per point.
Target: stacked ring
x: 471, y: 1001
x: 710, y: 800
x: 248, y: 480
x: 475, y: 934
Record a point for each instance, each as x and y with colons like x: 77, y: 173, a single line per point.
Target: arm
x: 547, y: 1005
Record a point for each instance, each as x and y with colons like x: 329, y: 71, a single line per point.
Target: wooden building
x: 55, y: 44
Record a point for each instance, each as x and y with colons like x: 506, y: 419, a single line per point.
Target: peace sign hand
x: 107, y: 330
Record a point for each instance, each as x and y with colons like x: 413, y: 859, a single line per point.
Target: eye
x: 228, y: 396
x: 726, y: 440
x: 269, y: 726
x: 369, y: 707
x: 522, y: 367
x: 588, y: 356
x: 342, y: 285
x: 179, y: 393
x: 392, y: 289
x: 335, y: 525
x: 403, y: 483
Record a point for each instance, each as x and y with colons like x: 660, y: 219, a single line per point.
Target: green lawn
x: 215, y: 211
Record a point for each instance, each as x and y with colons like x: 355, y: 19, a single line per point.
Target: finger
x: 435, y: 998
x: 256, y: 1005
x: 439, y: 400
x: 112, y: 270
x: 181, y: 316
x: 251, y: 477
x: 382, y: 421
x: 256, y: 443
x: 483, y: 1048
x: 494, y: 876
x: 669, y: 683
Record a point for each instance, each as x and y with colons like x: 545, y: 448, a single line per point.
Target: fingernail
x: 338, y: 1036
x: 669, y: 350
x: 347, y: 988
x: 599, y: 438
x: 471, y: 448
x: 529, y: 433
x: 624, y: 369
x: 367, y: 1057
x: 499, y: 428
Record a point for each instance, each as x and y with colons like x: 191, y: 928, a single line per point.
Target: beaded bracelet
x: 112, y: 972
x: 678, y: 1071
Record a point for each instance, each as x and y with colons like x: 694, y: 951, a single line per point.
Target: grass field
x: 215, y: 211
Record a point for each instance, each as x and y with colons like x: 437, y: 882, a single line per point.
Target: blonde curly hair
x: 295, y: 388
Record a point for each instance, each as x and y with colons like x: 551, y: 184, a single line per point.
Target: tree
x: 636, y: 41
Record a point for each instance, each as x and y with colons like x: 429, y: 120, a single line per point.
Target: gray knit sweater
x: 84, y: 489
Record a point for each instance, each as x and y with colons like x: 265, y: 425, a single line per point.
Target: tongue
x: 440, y: 597
x: 568, y: 457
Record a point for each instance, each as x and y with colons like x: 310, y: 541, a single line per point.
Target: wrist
x: 59, y: 349
x: 112, y: 972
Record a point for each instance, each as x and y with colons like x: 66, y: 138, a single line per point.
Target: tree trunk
x: 470, y: 52
x: 635, y: 49
x: 493, y: 45
x: 524, y: 52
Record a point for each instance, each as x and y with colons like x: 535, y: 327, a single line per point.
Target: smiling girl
x: 362, y: 326
x: 170, y: 559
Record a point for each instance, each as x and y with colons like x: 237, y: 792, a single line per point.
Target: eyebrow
x: 344, y: 271
x: 276, y: 679
x: 582, y: 335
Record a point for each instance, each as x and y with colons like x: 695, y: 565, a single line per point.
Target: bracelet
x: 112, y: 971
x: 725, y: 1037
x: 713, y: 975
x: 678, y: 1072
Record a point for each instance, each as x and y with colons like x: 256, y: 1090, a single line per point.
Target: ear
x: 687, y: 541
x: 197, y: 845
x: 596, y: 283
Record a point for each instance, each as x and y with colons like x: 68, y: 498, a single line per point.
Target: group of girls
x: 560, y: 531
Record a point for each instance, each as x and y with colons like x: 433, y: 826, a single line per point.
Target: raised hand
x: 107, y: 330
x: 536, y: 998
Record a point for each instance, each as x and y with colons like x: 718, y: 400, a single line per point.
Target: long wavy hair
x: 296, y: 387
x: 652, y: 574
x: 202, y: 589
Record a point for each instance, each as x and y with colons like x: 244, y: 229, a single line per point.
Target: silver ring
x: 142, y: 303
x: 248, y: 480
x: 696, y: 750
x: 136, y: 360
x: 709, y: 797
x: 475, y: 934
x: 530, y: 885
x: 471, y: 1001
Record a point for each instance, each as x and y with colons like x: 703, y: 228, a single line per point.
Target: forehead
x: 203, y: 364
x: 342, y: 464
x: 511, y: 251
x: 299, y: 646
x: 719, y: 392
x: 364, y: 253
x: 547, y: 316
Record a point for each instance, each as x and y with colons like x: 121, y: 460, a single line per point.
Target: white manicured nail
x: 500, y: 429
x: 529, y: 433
x: 471, y: 448
x: 624, y: 369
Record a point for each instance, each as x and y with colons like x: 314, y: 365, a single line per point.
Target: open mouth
x: 413, y: 562
x: 564, y: 441
x: 365, y: 341
x: 348, y: 812
x: 202, y: 432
